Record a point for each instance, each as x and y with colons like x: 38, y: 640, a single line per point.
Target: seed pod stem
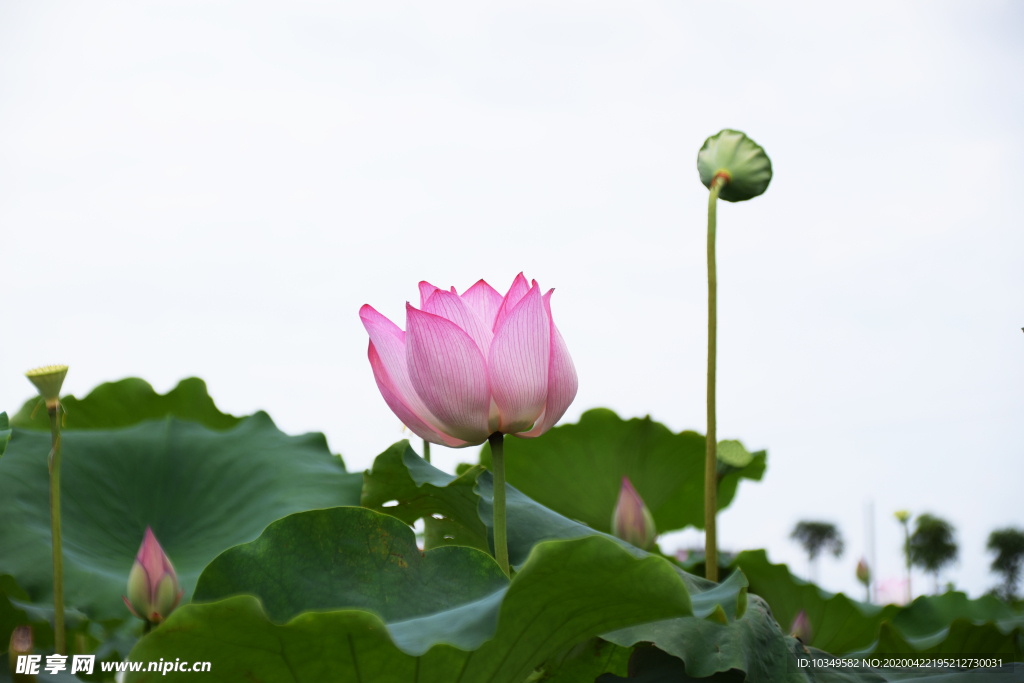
x: 711, y: 454
x: 58, y: 559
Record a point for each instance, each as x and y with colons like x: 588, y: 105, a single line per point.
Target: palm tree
x: 1009, y: 546
x: 932, y: 545
x: 815, y: 537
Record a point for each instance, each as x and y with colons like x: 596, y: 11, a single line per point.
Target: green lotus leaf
x: 114, y: 405
x: 648, y: 664
x: 577, y: 469
x: 953, y: 624
x: 847, y: 626
x: 999, y: 639
x: 585, y: 662
x: 106, y: 641
x: 839, y: 624
x: 729, y: 629
x: 16, y: 610
x: 918, y: 619
x: 201, y: 491
x: 353, y: 558
x: 403, y: 484
x: 651, y: 665
x: 406, y: 486
x: 389, y: 613
x: 751, y: 642
x: 747, y: 167
x: 399, y: 475
x: 942, y: 624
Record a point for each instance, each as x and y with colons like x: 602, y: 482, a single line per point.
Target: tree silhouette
x: 815, y: 537
x: 932, y: 545
x: 1008, y: 544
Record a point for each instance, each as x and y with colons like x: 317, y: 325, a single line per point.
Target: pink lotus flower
x: 153, y: 590
x: 473, y: 364
x: 891, y: 592
x: 631, y: 520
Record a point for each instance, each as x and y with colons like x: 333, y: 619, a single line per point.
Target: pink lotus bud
x: 801, y: 628
x: 153, y: 590
x: 632, y: 521
x: 21, y: 644
x: 863, y: 573
x: 473, y: 364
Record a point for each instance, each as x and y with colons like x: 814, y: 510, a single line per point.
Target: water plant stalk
x: 426, y: 450
x: 711, y: 450
x: 906, y: 552
x: 58, y: 562
x: 497, y: 441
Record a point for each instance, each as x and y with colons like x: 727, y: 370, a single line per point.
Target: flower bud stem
x: 426, y: 450
x: 906, y: 553
x: 498, y: 465
x: 58, y: 560
x: 711, y: 452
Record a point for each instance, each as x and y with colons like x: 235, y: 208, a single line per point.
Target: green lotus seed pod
x: 741, y: 161
x: 48, y: 380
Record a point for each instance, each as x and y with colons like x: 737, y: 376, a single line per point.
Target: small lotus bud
x: 48, y: 381
x: 632, y: 521
x: 863, y: 573
x: 902, y: 516
x: 801, y: 628
x: 153, y: 590
x: 742, y: 164
x: 21, y: 644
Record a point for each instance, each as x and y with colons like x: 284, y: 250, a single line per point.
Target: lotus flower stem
x: 498, y: 463
x: 426, y: 450
x: 711, y: 455
x: 58, y: 561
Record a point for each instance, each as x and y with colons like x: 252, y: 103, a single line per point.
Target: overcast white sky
x: 214, y: 188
